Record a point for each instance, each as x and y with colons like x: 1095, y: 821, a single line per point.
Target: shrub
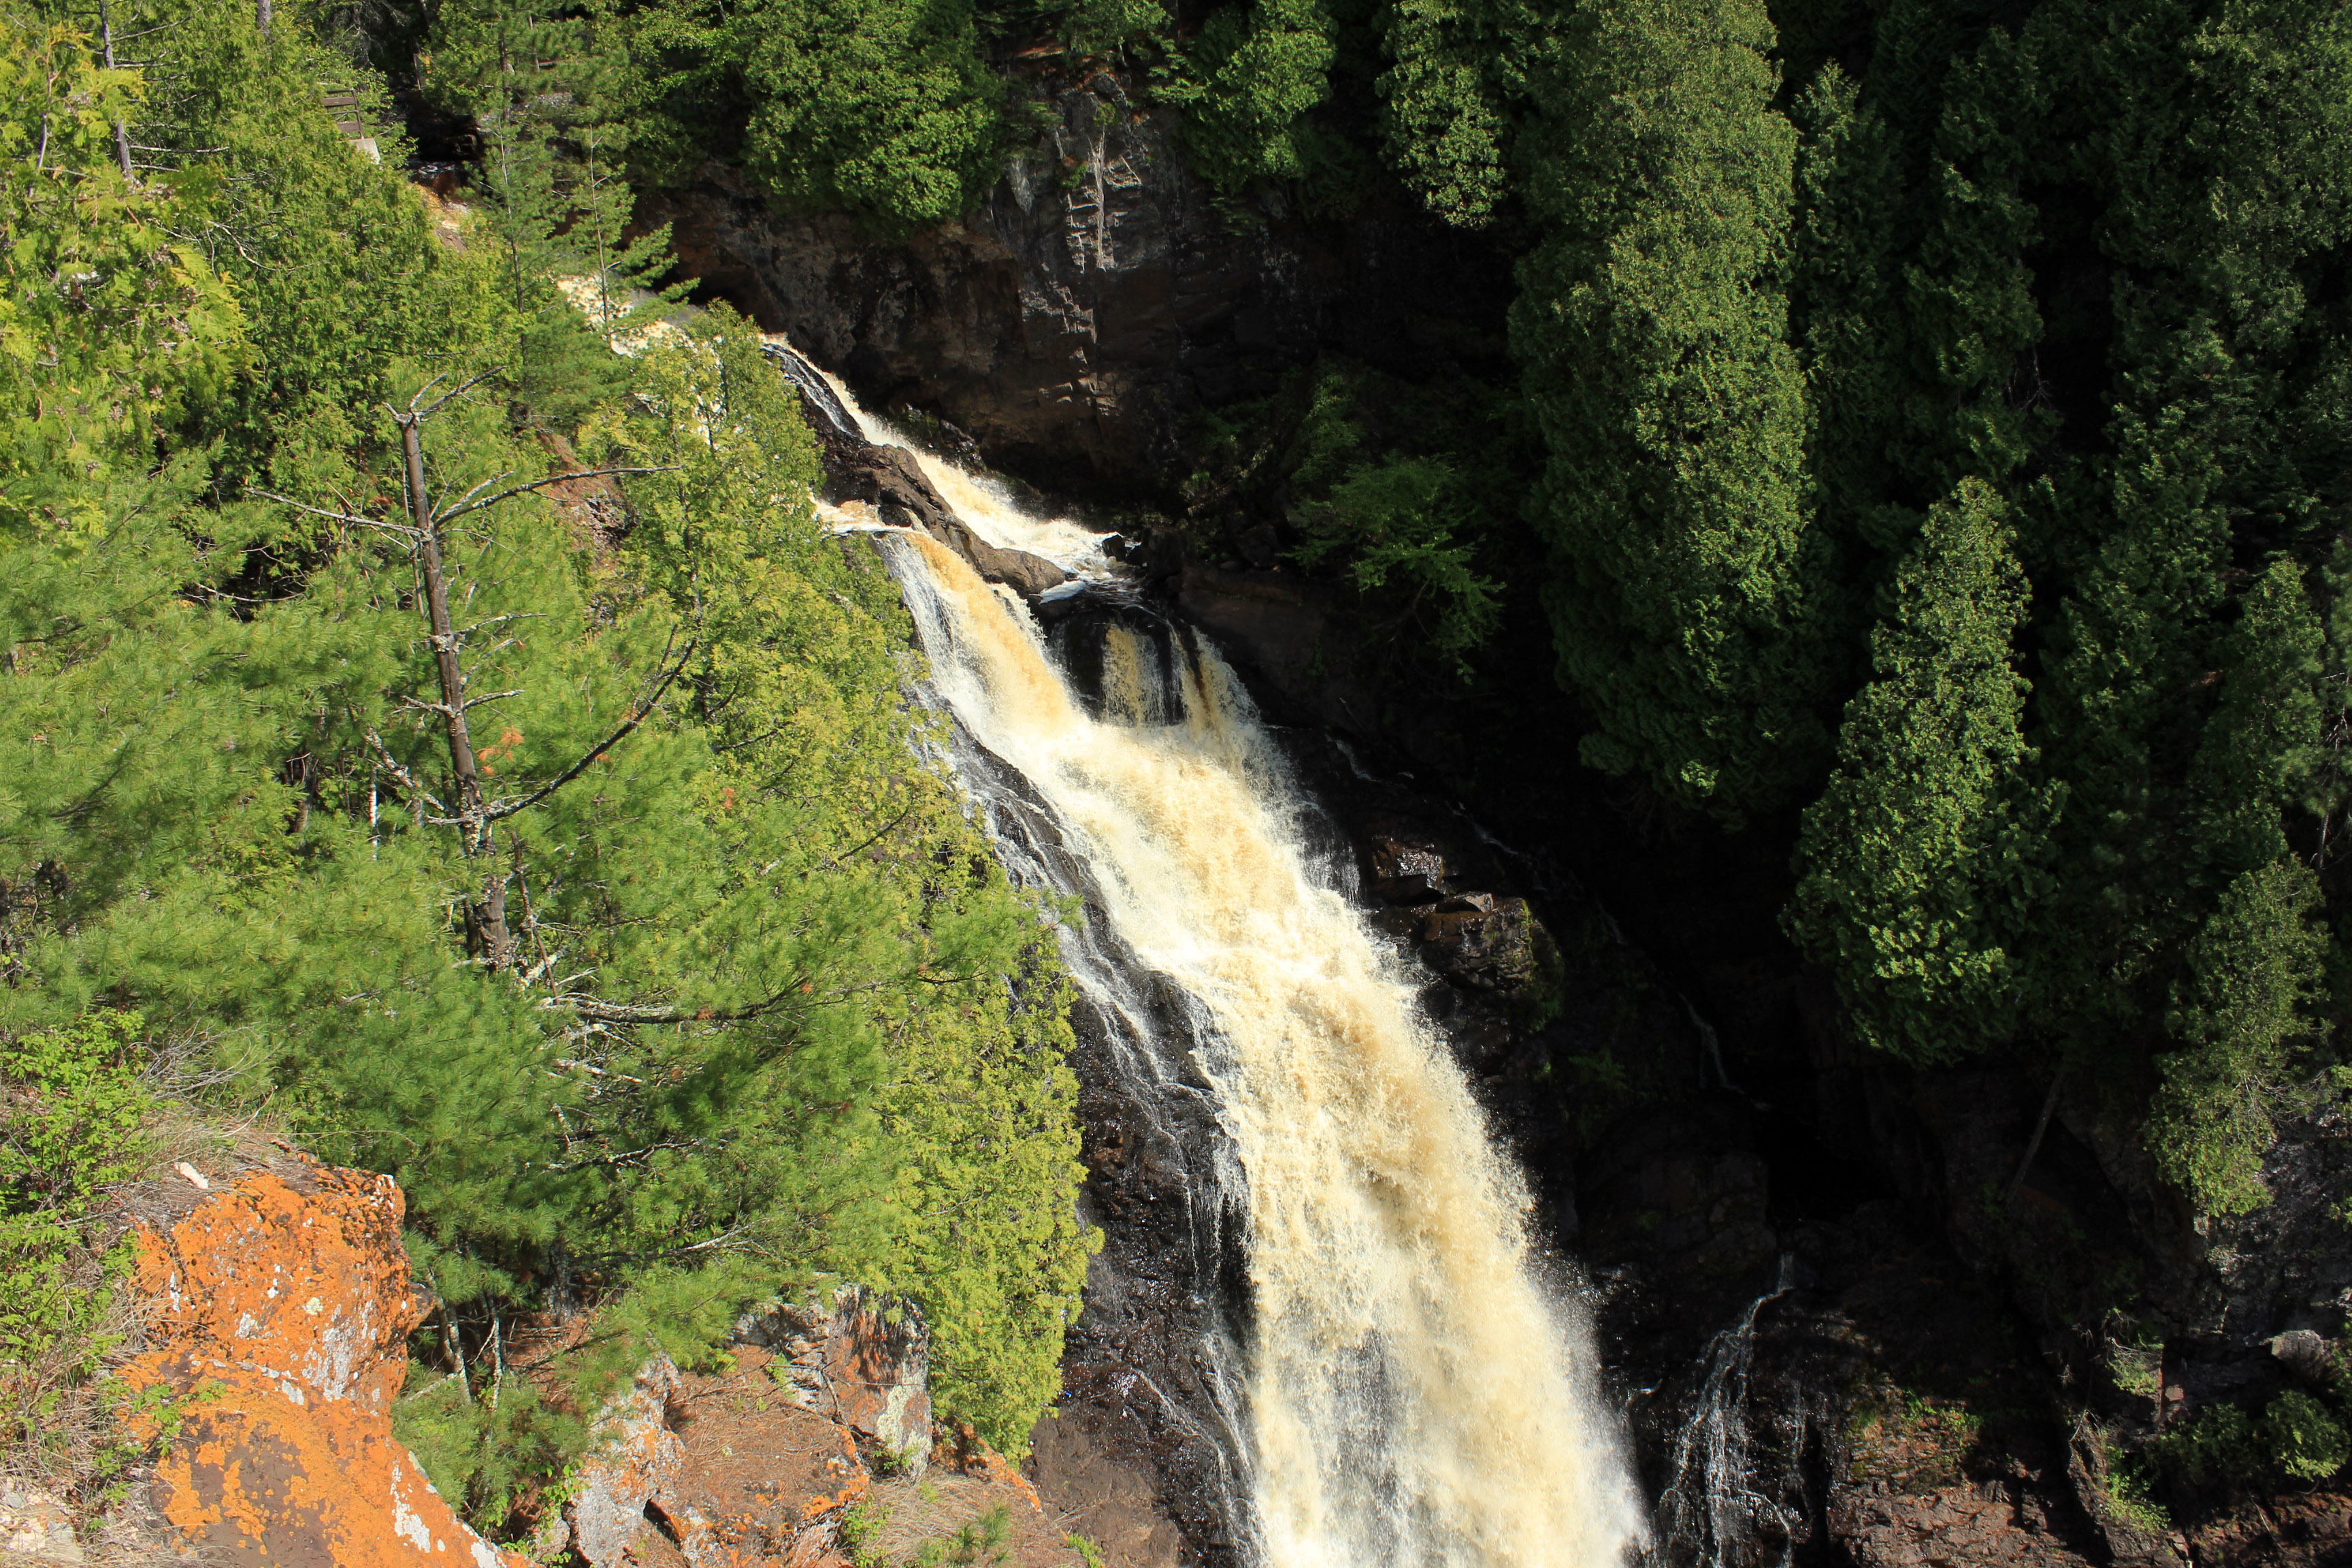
x: 2296, y: 1437
x: 2302, y: 1438
x: 72, y: 1107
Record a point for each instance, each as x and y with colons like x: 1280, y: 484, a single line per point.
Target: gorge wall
x: 1911, y: 1342
x: 1099, y: 300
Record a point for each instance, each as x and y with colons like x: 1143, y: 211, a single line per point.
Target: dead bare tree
x: 472, y: 813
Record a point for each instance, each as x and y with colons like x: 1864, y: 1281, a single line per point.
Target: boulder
x: 891, y: 481
x: 637, y: 1460
x: 35, y: 1527
x: 758, y: 1463
x: 1480, y: 941
x: 1026, y: 575
x: 738, y: 1481
x: 2304, y: 1353
x: 278, y: 1316
x: 888, y: 480
x: 1407, y: 872
x: 855, y: 1356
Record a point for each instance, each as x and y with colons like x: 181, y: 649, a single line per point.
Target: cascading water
x: 1410, y: 1391
x: 1707, y: 1514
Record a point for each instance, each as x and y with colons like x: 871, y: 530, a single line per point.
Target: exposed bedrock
x: 1097, y: 300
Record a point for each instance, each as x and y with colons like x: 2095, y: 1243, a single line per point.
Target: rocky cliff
x: 276, y: 1307
x: 1099, y: 300
x: 279, y: 1309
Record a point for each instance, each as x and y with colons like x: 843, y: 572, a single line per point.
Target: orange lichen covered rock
x: 749, y: 1477
x: 279, y: 1311
x: 635, y: 1461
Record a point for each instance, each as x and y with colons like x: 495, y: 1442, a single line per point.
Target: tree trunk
x: 121, y: 127
x: 474, y: 825
x: 2033, y: 1145
x: 261, y: 16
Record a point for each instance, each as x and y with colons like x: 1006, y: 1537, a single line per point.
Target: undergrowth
x: 93, y: 1116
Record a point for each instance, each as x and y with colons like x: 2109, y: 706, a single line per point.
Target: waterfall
x: 1407, y: 1388
x: 1707, y: 1514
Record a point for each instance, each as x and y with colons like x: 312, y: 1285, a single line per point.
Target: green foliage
x: 2113, y: 865
x: 549, y: 97
x: 1401, y: 492
x: 2295, y: 1438
x: 70, y: 1128
x: 1692, y: 599
x: 1099, y: 27
x: 110, y: 322
x: 2304, y: 1440
x: 862, y: 1523
x: 881, y: 107
x: 2255, y: 969
x: 1399, y: 520
x: 2128, y: 1498
x: 1248, y: 85
x: 984, y: 1540
x: 484, y: 1453
x: 713, y: 987
x: 1445, y: 122
x: 2215, y: 1446
x: 1919, y: 851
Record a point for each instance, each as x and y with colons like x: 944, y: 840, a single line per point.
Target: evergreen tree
x: 1249, y: 84
x: 1919, y: 853
x: 2240, y: 1017
x: 1693, y: 599
x: 881, y: 107
x: 600, y: 894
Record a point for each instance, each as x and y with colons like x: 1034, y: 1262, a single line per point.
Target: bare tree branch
x: 470, y: 505
x: 401, y: 775
x: 611, y: 1013
x: 637, y: 716
x: 322, y: 511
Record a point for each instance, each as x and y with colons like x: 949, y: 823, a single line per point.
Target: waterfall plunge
x: 1416, y: 1395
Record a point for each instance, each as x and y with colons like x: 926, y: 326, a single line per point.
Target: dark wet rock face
x: 1098, y: 299
x: 1150, y: 1406
x: 890, y: 481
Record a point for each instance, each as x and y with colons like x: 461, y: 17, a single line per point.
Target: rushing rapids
x: 1408, y: 1389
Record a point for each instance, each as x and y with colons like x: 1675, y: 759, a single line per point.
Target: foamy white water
x: 980, y: 501
x: 1419, y: 1393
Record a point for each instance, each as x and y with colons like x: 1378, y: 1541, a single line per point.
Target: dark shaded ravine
x: 1947, y: 1375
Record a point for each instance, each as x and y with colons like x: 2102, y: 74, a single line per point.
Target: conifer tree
x: 1693, y: 599
x: 1919, y: 854
x: 2241, y: 1015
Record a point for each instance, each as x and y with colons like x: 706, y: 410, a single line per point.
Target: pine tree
x: 2241, y: 1016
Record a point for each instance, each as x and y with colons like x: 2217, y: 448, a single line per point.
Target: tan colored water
x: 1419, y: 1396
x: 979, y: 502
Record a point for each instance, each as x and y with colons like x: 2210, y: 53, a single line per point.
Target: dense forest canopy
x: 1926, y: 425
x: 564, y: 845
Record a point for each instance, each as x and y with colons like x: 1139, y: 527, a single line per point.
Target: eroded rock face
x: 1098, y: 298
x: 279, y: 1312
x: 1985, y: 1524
x: 858, y: 1357
x: 637, y: 1460
x: 890, y: 481
x: 760, y: 1463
